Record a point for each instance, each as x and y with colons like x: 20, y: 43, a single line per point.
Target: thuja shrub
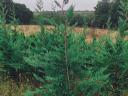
x: 13, y: 47
x: 10, y: 48
x: 73, y: 67
x: 114, y: 56
x: 68, y: 70
x: 68, y: 63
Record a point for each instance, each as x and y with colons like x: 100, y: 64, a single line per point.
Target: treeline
x: 105, y: 12
x: 16, y: 11
x: 79, y: 18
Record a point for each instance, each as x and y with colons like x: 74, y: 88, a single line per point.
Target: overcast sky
x: 79, y: 4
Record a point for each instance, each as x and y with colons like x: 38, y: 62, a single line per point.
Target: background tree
x: 107, y: 9
x: 7, y: 6
x: 102, y: 13
x: 21, y: 12
x: 114, y: 12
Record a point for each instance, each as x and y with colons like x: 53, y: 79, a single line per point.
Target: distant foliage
x: 114, y: 12
x: 21, y: 12
x: 77, y: 19
x: 75, y: 68
x: 105, y: 10
x: 102, y: 13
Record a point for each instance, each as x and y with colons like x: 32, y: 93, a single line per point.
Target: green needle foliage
x: 62, y: 63
x: 71, y: 77
x: 13, y: 47
x: 73, y: 67
x: 68, y: 63
x: 10, y: 48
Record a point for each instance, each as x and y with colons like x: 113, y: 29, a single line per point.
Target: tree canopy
x: 106, y: 9
x: 21, y: 12
x: 102, y: 13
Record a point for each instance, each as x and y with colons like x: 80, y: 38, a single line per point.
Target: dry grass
x: 10, y: 88
x: 91, y: 32
x: 28, y: 29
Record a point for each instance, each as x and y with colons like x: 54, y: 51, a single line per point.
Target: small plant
x: 66, y: 61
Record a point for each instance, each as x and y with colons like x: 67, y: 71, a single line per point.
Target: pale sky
x: 79, y: 4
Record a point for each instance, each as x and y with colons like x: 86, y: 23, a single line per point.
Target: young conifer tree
x: 11, y: 45
x: 68, y: 63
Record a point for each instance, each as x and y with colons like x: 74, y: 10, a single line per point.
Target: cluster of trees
x: 17, y: 11
x: 60, y: 16
x: 107, y: 10
x: 78, y: 19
